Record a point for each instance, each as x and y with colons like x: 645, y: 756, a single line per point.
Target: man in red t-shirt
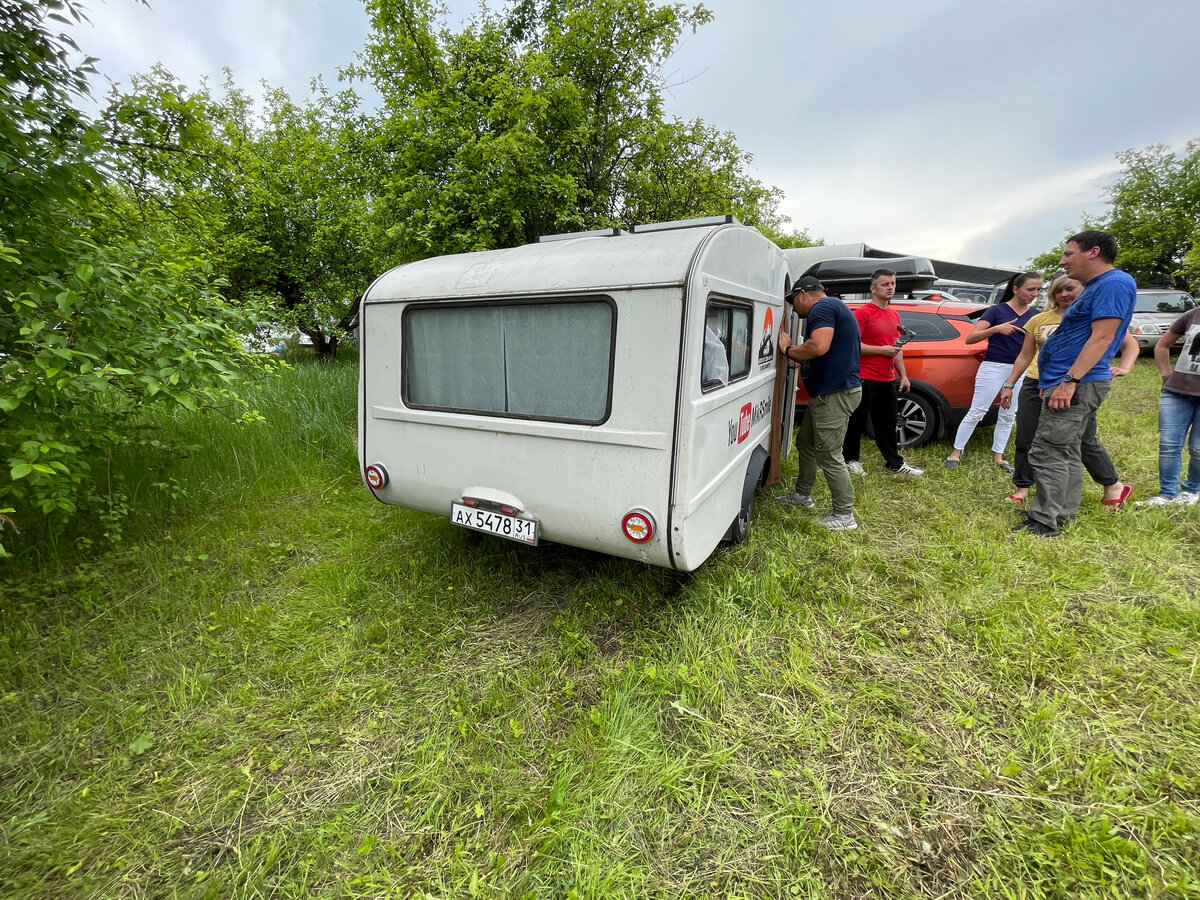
x: 880, y: 360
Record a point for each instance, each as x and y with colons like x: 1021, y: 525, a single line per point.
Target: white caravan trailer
x: 616, y: 391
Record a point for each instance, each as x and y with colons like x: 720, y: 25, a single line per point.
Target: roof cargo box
x: 852, y: 274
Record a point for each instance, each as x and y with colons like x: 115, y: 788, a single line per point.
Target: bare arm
x: 905, y: 384
x: 1103, y: 332
x: 982, y: 331
x: 1020, y: 364
x: 887, y: 350
x: 817, y: 344
x: 1129, y: 355
x: 1162, y: 351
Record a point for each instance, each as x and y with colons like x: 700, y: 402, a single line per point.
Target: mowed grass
x: 278, y: 687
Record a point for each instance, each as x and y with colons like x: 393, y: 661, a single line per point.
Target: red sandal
x: 1013, y: 498
x: 1118, y: 502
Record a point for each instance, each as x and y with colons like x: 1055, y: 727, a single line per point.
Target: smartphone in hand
x: 1074, y: 399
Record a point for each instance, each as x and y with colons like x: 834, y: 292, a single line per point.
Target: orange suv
x: 939, y: 363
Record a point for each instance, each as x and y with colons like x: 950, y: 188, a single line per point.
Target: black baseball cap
x: 806, y: 283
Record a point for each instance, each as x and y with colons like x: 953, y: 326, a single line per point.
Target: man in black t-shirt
x: 829, y: 360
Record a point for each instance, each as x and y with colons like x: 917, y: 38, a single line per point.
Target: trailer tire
x: 739, y: 530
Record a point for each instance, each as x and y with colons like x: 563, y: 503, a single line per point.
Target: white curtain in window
x: 547, y: 360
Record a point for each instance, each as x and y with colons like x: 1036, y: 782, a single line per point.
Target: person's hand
x: 785, y: 341
x: 1117, y: 371
x: 905, y: 384
x: 1006, y: 395
x: 1061, y: 396
x: 1006, y: 328
x: 889, y: 352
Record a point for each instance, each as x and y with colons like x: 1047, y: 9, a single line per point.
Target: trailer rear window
x: 528, y: 360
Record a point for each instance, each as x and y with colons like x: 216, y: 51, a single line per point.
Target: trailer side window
x: 529, y: 360
x: 726, y: 345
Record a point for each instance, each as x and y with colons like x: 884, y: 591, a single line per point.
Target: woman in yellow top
x: 1061, y: 294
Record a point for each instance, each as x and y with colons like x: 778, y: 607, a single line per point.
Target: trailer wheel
x: 740, y: 529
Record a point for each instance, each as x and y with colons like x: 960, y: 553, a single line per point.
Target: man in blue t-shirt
x: 1074, y: 376
x: 829, y: 366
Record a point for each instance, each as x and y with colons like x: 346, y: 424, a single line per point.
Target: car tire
x: 916, y: 420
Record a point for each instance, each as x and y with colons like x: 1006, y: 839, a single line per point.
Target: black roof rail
x: 599, y: 232
x: 726, y: 219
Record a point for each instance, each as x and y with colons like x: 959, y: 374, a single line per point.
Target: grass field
x: 277, y: 687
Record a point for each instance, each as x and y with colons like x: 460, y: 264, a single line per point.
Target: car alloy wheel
x: 916, y: 420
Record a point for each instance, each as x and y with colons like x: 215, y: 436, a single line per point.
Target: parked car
x: 939, y: 363
x: 969, y: 291
x: 1154, y: 313
x: 275, y: 338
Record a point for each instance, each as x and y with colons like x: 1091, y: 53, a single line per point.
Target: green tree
x: 1154, y: 215
x: 92, y: 326
x: 545, y: 117
x: 278, y: 199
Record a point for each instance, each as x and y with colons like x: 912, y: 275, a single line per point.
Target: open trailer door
x: 783, y: 400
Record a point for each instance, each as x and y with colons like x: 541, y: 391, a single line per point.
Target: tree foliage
x: 278, y: 199
x: 92, y: 325
x: 1154, y: 215
x: 544, y: 117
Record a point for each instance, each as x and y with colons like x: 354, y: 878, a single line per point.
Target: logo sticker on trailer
x: 743, y: 426
x: 766, y: 350
x: 748, y: 416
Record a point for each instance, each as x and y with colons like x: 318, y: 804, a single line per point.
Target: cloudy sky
x: 973, y: 130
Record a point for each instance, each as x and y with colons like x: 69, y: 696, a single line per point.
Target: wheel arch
x: 759, y: 458
x: 940, y: 404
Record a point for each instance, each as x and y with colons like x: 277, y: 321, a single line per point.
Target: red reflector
x: 638, y: 526
x: 376, y: 476
x: 470, y: 501
x: 508, y: 510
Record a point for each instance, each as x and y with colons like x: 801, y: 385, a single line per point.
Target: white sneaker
x: 906, y: 469
x: 1159, y: 500
x: 1188, y: 498
x: 838, y: 522
x: 854, y: 467
x: 795, y: 499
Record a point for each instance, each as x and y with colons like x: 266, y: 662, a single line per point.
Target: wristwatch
x: 1070, y: 379
x: 1009, y: 387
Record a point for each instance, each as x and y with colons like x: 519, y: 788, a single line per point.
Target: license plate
x: 491, y: 522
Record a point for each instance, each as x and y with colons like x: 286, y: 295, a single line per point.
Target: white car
x: 1156, y: 310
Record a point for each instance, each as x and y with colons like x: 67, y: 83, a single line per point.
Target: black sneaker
x: 1036, y: 528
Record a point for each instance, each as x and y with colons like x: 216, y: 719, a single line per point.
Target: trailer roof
x: 567, y: 264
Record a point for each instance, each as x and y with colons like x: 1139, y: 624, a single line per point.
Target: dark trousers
x: 880, y: 404
x: 1056, y: 456
x: 1095, y: 458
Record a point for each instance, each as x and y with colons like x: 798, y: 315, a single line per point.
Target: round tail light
x: 638, y: 525
x: 376, y: 475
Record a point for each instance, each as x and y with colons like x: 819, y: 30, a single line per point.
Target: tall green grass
x: 277, y: 687
x: 184, y: 462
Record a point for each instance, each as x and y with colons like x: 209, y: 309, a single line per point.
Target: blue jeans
x: 1177, y: 413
